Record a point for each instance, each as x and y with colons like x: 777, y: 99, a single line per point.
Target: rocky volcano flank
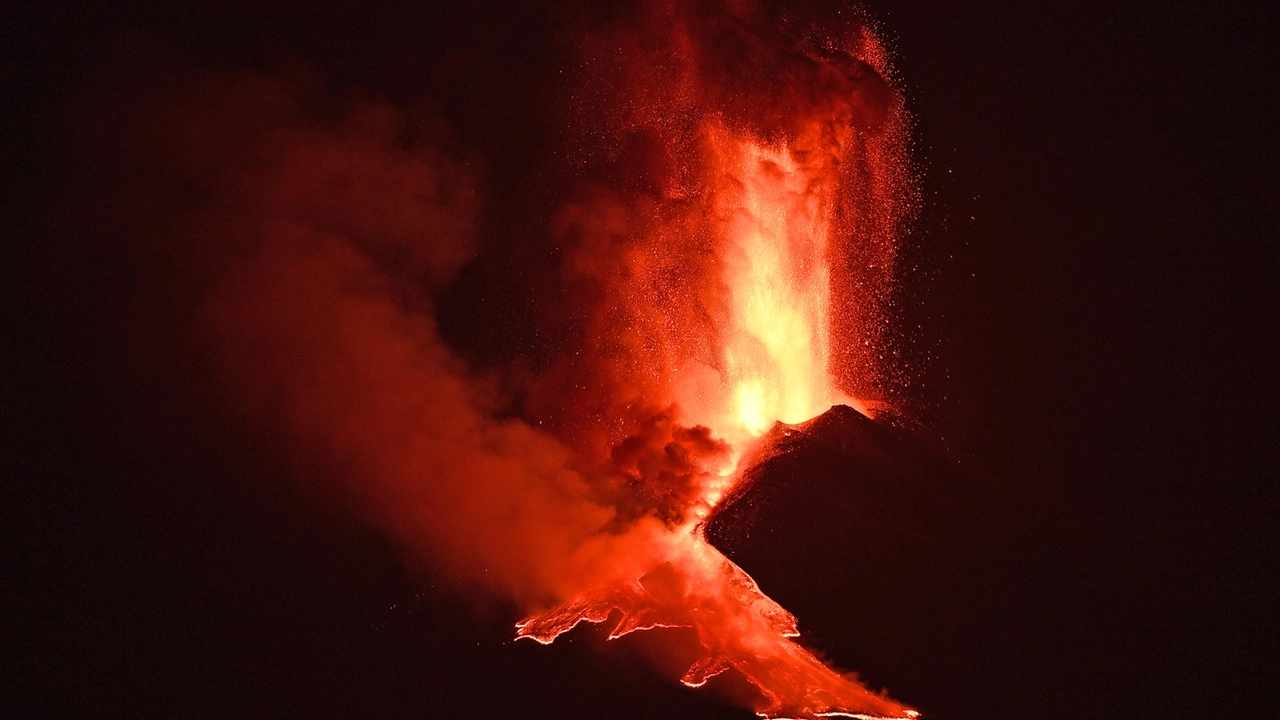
x: 894, y: 560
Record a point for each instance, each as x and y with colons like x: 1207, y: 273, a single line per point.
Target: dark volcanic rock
x: 897, y: 563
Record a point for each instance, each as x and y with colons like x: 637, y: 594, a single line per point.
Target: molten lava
x: 778, y: 281
x: 723, y: 300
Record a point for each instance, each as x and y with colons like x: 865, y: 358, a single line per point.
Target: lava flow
x: 770, y: 165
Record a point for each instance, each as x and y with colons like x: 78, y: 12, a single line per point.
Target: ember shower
x: 727, y: 254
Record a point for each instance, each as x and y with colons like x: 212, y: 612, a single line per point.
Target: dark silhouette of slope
x: 922, y: 577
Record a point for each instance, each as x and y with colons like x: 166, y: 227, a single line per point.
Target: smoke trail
x: 320, y: 237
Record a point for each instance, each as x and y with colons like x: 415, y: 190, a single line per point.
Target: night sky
x: 1087, y: 316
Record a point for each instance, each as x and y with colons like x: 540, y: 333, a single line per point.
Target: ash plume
x: 738, y: 171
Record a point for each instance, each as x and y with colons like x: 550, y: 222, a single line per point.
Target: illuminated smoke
x: 746, y: 181
x: 727, y: 251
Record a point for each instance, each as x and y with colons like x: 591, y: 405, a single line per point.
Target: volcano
x: 896, y: 560
x: 346, y: 344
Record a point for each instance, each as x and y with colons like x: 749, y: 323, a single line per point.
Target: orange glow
x: 776, y: 223
x: 738, y: 625
x: 769, y: 205
x: 726, y: 243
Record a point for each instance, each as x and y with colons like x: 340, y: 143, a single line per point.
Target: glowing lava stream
x: 774, y: 215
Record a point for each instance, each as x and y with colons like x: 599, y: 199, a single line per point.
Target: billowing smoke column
x: 726, y: 256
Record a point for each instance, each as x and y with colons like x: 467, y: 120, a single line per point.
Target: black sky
x: 1089, y: 301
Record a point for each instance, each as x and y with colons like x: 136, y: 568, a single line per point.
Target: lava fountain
x: 771, y: 180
